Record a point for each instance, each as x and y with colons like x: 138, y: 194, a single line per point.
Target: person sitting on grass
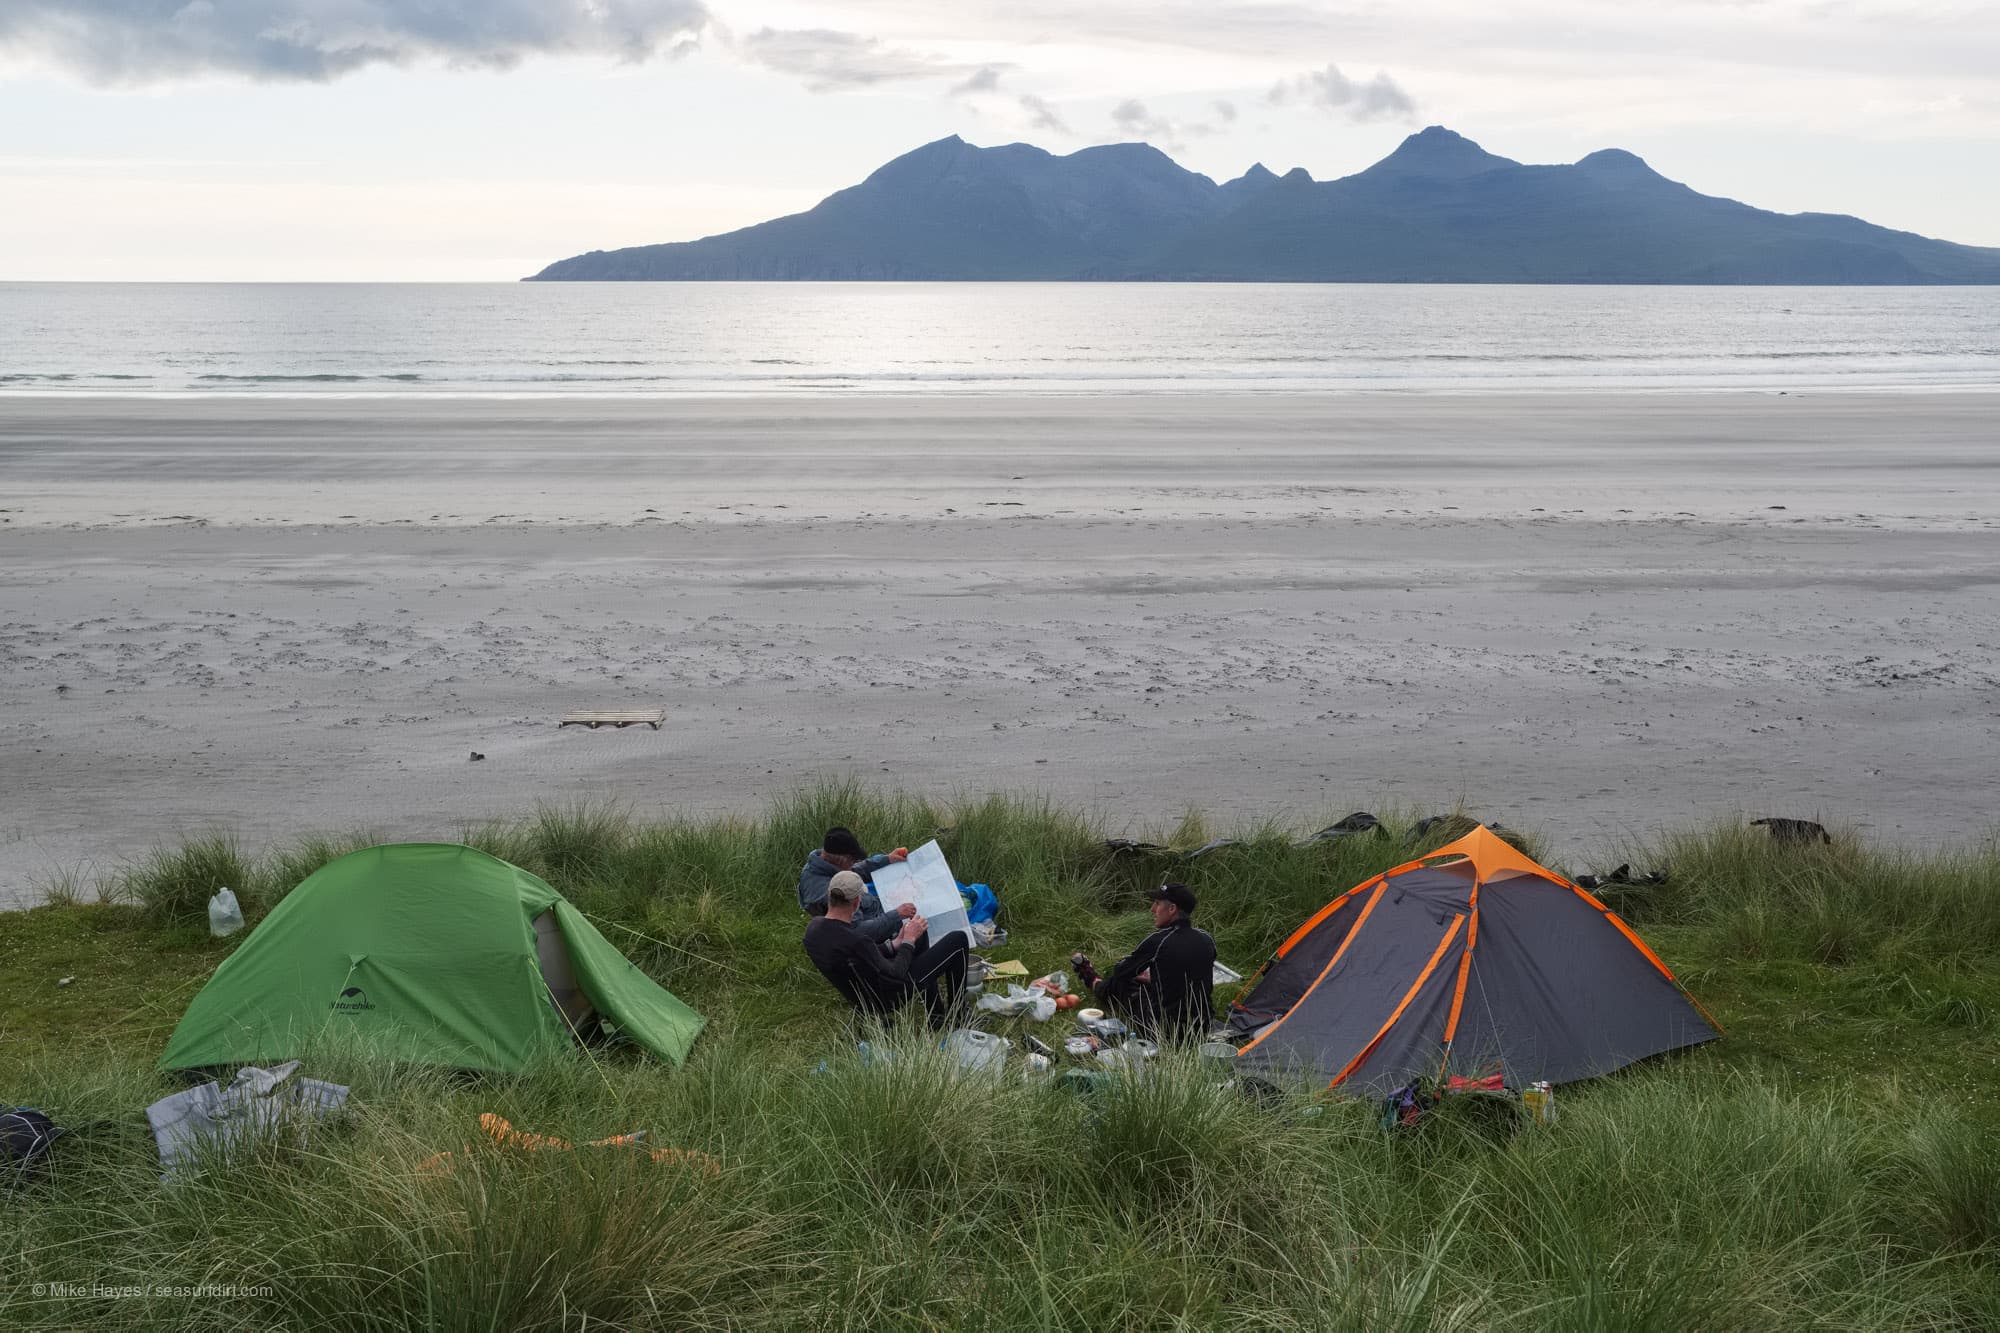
x: 840, y: 850
x: 879, y: 977
x: 1163, y: 987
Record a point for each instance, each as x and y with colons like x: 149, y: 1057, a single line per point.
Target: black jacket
x: 1177, y: 1003
x: 874, y: 975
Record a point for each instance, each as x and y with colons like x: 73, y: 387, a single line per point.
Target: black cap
x: 841, y: 843
x: 1180, y: 895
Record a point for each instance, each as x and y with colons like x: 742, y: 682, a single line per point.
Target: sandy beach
x: 1592, y: 615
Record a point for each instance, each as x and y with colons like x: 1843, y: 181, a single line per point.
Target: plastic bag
x: 1043, y: 1009
x: 980, y: 904
x: 1015, y: 1001
x: 1055, y: 983
x: 1103, y: 1026
x: 225, y: 916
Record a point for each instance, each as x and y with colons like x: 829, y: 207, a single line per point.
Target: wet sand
x: 1585, y: 614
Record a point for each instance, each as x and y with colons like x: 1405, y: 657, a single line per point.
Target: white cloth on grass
x: 208, y: 1118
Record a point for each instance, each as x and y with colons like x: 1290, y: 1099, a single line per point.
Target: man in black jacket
x: 879, y: 977
x: 1164, y: 986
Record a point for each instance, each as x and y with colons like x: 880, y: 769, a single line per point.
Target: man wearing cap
x: 1163, y: 986
x: 840, y: 850
x: 879, y: 976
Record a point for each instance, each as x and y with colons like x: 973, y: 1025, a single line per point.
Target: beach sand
x: 1592, y: 615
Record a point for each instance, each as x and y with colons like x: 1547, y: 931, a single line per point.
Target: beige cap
x: 845, y: 887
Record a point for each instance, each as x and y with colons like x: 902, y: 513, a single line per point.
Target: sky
x: 478, y: 140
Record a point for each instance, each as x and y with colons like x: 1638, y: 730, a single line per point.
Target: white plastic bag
x: 1043, y: 1009
x: 225, y: 917
x: 1015, y: 1001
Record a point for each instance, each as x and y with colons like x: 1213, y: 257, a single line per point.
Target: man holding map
x: 879, y: 977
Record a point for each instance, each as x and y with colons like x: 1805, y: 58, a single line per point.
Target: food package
x: 1103, y: 1026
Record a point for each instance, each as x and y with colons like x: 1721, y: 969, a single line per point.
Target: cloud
x: 1041, y: 115
x: 147, y: 41
x: 986, y: 79
x: 982, y: 93
x: 829, y: 61
x: 1132, y: 117
x: 1330, y: 90
x: 1224, y: 111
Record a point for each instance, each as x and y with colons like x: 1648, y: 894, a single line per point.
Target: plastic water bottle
x: 225, y: 916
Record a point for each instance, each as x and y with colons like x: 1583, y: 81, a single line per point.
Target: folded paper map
x: 926, y: 880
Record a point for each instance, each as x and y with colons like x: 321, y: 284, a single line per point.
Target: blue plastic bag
x: 980, y: 904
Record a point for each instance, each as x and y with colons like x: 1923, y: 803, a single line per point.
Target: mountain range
x: 1438, y: 209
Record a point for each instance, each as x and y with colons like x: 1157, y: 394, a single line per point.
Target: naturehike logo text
x: 352, y: 1001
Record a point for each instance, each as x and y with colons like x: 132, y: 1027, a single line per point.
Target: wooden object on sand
x: 614, y: 717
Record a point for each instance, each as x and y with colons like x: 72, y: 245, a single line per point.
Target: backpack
x: 26, y: 1135
x: 1407, y: 1105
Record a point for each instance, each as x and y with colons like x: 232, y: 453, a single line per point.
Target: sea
x: 517, y: 339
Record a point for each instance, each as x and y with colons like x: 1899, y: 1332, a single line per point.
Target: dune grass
x: 1828, y: 1164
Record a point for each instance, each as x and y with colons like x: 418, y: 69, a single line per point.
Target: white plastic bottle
x: 225, y: 916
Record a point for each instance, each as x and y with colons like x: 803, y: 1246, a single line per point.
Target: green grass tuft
x: 173, y: 885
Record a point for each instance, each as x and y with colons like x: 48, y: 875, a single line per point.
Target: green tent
x: 426, y: 952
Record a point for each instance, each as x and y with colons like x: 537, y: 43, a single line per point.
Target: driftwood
x: 615, y: 717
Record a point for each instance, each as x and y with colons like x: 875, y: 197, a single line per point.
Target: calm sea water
x: 671, y: 338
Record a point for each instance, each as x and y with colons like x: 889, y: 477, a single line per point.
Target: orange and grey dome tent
x: 1466, y: 961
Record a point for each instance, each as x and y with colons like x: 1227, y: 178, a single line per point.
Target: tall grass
x: 914, y: 1194
x: 281, y: 870
x: 1834, y: 904
x: 173, y: 885
x: 1776, y: 1179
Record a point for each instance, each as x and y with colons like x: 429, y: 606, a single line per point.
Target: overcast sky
x: 481, y: 139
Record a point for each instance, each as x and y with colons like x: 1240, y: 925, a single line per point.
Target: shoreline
x: 1509, y: 388
x: 1863, y: 458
